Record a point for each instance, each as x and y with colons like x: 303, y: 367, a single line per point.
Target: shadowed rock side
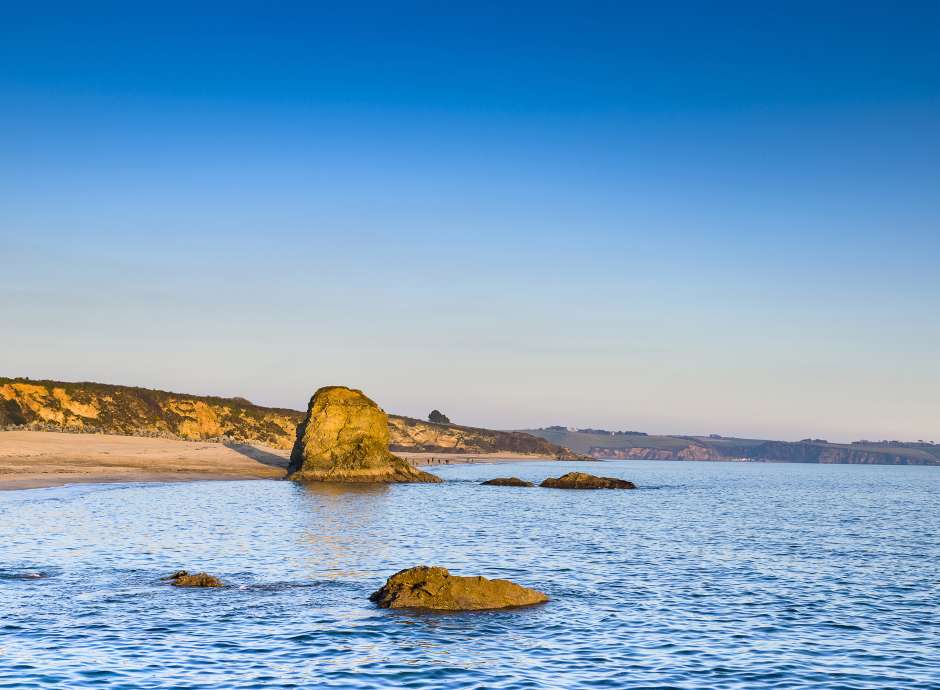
x: 344, y: 438
x: 182, y: 578
x: 507, y: 481
x: 428, y: 587
x: 582, y: 480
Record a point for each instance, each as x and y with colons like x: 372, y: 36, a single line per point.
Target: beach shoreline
x: 41, y: 459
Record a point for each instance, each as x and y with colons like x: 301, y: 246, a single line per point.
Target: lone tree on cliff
x: 438, y: 417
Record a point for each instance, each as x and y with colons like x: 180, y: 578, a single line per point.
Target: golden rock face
x: 430, y: 587
x: 344, y: 438
x: 102, y: 408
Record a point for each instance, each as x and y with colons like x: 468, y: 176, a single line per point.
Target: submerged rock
x: 344, y: 438
x: 507, y: 481
x: 582, y: 480
x: 182, y: 578
x: 430, y: 587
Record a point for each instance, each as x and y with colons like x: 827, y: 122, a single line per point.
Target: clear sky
x: 693, y: 218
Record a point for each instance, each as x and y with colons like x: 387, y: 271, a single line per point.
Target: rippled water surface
x: 712, y: 575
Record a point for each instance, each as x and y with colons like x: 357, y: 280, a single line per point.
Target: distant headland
x: 634, y: 445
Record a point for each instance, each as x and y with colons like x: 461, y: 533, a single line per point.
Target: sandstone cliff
x: 104, y: 408
x: 100, y: 408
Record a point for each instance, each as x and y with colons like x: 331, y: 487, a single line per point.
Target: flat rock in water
x: 182, y: 578
x: 344, y: 438
x: 507, y: 481
x: 582, y: 480
x: 428, y: 587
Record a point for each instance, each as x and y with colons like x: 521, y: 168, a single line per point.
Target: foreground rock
x: 507, y: 481
x: 182, y: 578
x: 427, y: 587
x: 344, y: 438
x: 582, y: 480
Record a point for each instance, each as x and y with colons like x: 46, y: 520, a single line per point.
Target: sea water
x: 711, y: 575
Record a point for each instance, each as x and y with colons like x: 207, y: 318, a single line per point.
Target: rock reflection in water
x: 343, y: 524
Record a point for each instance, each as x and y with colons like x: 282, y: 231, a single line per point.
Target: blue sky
x: 695, y: 218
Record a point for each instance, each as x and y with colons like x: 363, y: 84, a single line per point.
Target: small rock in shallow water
x: 429, y: 587
x: 507, y: 481
x: 582, y: 480
x: 182, y: 578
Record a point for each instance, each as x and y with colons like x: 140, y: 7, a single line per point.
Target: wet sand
x: 35, y: 459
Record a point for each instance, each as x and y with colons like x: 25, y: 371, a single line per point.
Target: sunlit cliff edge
x: 86, y: 407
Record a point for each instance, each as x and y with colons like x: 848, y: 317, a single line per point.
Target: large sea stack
x: 344, y: 438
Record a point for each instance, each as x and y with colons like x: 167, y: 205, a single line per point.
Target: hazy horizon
x: 423, y: 413
x: 685, y: 221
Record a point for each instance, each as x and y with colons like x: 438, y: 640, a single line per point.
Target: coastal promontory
x: 344, y: 437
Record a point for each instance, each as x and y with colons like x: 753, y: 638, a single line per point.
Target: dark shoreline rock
x: 507, y: 481
x: 182, y: 578
x: 344, y: 437
x: 582, y: 480
x: 432, y: 587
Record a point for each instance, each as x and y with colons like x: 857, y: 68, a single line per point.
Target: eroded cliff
x: 104, y: 408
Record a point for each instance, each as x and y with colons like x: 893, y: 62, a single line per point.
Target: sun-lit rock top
x: 344, y: 438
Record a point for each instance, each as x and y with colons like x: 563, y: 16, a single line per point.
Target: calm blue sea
x: 712, y: 575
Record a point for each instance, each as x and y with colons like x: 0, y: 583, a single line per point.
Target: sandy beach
x: 35, y: 459
x: 32, y: 459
